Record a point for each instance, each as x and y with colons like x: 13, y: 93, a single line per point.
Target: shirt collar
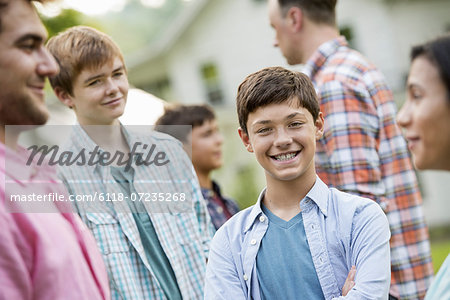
x: 255, y: 212
x: 319, y: 194
x: 320, y: 56
x: 81, y: 140
x: 214, y: 190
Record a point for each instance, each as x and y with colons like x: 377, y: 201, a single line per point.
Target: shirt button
x: 262, y: 219
x: 253, y: 242
x: 245, y: 277
x: 219, y: 209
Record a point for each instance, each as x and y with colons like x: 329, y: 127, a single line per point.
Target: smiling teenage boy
x: 151, y: 252
x: 301, y: 238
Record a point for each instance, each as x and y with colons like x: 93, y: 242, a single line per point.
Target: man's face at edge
x: 24, y: 65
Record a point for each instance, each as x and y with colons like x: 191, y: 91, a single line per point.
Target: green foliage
x: 439, y: 251
x: 245, y: 188
x: 67, y: 18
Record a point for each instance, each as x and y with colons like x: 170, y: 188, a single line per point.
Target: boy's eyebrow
x: 293, y: 115
x: 94, y: 77
x: 118, y: 69
x: 262, y: 122
x: 102, y: 74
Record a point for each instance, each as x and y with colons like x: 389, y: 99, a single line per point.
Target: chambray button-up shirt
x: 342, y: 230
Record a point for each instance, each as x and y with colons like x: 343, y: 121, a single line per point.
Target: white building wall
x: 385, y: 31
x: 233, y: 34
x: 372, y: 28
x: 416, y: 22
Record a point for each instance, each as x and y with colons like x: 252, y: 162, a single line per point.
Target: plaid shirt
x: 184, y: 236
x: 363, y: 152
x: 219, y: 212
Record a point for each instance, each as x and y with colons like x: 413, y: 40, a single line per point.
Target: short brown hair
x: 275, y: 85
x: 193, y: 115
x: 319, y: 11
x: 78, y: 48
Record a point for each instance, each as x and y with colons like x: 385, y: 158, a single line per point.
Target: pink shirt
x: 48, y: 255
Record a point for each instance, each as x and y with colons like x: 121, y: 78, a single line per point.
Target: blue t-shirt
x: 284, y: 264
x: 156, y: 256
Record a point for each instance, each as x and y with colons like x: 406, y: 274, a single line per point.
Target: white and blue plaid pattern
x: 184, y: 235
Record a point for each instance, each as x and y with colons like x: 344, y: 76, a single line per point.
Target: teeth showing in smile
x: 283, y: 157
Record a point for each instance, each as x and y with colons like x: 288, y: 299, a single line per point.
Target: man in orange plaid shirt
x: 362, y: 150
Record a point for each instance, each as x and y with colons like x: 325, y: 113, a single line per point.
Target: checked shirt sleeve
x: 348, y: 154
x: 362, y: 152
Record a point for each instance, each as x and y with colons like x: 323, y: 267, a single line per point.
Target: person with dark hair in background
x: 46, y: 252
x: 425, y: 118
x: 362, y: 150
x: 204, y: 144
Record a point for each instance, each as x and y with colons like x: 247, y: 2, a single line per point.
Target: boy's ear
x: 320, y: 123
x: 64, y: 96
x: 245, y: 139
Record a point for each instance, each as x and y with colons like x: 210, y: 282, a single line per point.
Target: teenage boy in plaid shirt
x: 362, y: 150
x: 152, y: 247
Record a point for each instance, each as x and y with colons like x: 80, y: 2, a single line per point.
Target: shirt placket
x: 317, y: 245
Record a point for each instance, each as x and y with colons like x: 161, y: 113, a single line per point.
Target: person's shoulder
x: 159, y: 139
x: 162, y: 143
x: 349, y: 58
x: 349, y: 64
x: 351, y: 72
x: 160, y: 136
x: 230, y: 201
x: 42, y: 160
